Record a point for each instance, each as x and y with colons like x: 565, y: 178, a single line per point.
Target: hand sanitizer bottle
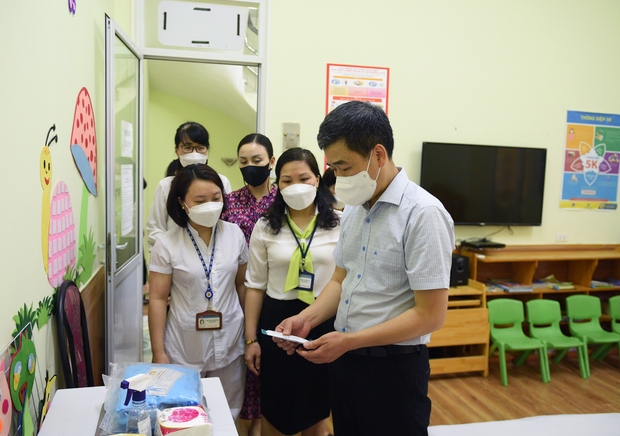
x: 139, y: 417
x: 139, y: 420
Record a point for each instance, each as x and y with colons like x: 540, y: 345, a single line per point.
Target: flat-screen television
x: 486, y: 184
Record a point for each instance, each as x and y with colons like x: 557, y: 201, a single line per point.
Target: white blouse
x: 270, y: 256
x: 159, y: 222
x: 174, y: 253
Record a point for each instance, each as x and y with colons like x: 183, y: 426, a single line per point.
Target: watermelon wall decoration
x: 84, y: 140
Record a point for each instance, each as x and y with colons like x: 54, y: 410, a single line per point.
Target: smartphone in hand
x: 279, y: 335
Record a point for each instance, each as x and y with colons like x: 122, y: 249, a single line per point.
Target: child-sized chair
x: 614, y: 313
x: 584, y: 312
x: 72, y: 333
x: 544, y: 318
x: 506, y: 319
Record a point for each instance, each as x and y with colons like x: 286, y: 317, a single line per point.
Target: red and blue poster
x: 591, y: 161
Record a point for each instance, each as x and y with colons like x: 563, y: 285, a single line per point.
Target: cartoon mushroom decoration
x: 84, y: 141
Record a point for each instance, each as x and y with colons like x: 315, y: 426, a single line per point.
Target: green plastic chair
x: 614, y: 313
x: 544, y: 318
x: 584, y: 312
x: 506, y: 319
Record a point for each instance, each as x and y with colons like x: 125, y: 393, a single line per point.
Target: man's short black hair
x: 360, y: 125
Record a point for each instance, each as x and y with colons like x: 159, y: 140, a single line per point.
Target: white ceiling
x: 219, y: 87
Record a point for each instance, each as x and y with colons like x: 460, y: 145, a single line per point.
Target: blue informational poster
x: 591, y: 161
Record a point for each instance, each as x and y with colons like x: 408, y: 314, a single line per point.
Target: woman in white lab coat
x: 200, y: 264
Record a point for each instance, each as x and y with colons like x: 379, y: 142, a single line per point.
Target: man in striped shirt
x: 389, y: 290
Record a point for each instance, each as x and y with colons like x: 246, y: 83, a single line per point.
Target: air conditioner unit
x: 203, y: 25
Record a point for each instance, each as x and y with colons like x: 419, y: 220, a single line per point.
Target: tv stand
x: 482, y: 243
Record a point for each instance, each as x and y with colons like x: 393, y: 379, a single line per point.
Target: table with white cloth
x: 77, y: 411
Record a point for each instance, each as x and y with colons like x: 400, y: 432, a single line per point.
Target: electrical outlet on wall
x: 291, y: 135
x: 561, y: 237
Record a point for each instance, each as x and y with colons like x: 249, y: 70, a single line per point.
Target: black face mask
x: 255, y: 176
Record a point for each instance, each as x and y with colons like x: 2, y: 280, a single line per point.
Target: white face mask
x: 299, y: 196
x: 192, y: 158
x: 206, y: 214
x: 357, y: 189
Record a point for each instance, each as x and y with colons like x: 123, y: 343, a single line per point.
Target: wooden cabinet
x: 462, y: 344
x: 525, y: 264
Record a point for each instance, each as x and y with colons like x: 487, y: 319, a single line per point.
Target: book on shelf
x: 552, y: 282
x: 561, y: 285
x: 613, y: 282
x: 600, y: 284
x: 510, y: 285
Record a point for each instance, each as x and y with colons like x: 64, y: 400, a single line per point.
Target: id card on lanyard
x: 306, y: 278
x: 306, y: 281
x: 210, y: 319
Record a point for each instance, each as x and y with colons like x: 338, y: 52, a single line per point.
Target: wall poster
x: 352, y: 82
x: 591, y: 161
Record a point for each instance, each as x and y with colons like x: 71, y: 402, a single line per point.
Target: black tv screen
x: 486, y: 184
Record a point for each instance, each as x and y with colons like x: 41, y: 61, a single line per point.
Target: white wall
x: 47, y: 55
x: 464, y: 71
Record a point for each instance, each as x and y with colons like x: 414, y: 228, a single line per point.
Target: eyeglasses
x: 202, y: 149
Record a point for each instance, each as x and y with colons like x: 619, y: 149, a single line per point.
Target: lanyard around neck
x: 209, y: 291
x: 303, y: 252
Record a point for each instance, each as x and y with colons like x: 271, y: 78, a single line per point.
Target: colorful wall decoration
x: 58, y: 242
x: 58, y: 247
x: 6, y: 404
x: 84, y: 140
x: 591, y: 161
x: 83, y: 146
x: 45, y: 168
x: 21, y: 382
x: 61, y: 235
x: 22, y: 387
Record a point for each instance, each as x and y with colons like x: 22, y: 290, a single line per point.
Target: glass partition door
x: 123, y: 197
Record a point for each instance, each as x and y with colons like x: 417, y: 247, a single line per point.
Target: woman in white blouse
x: 200, y: 264
x: 290, y: 263
x: 191, y: 145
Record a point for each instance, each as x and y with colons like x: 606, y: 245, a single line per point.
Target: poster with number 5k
x: 354, y: 82
x: 591, y: 161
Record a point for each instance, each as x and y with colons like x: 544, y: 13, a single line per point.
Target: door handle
x: 123, y: 246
